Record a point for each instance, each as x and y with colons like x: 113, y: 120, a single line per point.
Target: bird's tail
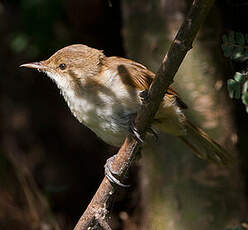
x: 205, y: 147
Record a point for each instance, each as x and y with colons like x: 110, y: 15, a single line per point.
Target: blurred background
x: 51, y: 165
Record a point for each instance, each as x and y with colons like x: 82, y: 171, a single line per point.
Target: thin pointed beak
x: 35, y: 65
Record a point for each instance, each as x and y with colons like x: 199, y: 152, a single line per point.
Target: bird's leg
x: 110, y: 173
x: 144, y: 97
x: 135, y: 133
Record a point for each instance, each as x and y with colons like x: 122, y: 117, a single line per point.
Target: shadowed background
x: 50, y: 165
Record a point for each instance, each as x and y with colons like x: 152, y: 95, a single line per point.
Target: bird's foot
x: 110, y: 173
x: 134, y: 132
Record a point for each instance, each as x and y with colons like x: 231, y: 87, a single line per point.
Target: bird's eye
x: 62, y: 66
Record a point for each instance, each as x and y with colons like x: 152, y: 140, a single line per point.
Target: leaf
x: 239, y: 77
x: 230, y: 84
x: 237, y: 52
x: 245, y: 87
x: 234, y: 88
x: 245, y: 98
x: 240, y: 38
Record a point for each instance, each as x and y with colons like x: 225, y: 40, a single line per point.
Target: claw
x: 134, y: 132
x: 109, y: 173
x: 136, y: 135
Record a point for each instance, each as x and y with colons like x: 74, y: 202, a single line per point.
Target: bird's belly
x: 108, y: 119
x: 111, y: 128
x: 114, y: 137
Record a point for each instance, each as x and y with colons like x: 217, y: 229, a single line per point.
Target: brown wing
x: 179, y: 101
x: 138, y: 76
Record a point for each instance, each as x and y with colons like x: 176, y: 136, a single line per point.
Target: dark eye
x: 62, y: 66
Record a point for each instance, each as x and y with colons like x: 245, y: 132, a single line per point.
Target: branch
x: 97, y: 210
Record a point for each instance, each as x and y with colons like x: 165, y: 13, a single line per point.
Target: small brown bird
x: 103, y: 93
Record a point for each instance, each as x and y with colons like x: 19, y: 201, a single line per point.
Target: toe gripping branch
x: 144, y: 97
x: 134, y: 132
x: 110, y: 173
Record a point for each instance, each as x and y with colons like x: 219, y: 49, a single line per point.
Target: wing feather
x: 138, y: 76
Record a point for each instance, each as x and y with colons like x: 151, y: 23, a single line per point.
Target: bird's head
x: 75, y: 63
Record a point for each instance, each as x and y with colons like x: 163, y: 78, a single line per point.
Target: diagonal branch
x: 98, y: 209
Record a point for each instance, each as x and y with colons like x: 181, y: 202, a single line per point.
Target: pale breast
x: 107, y: 114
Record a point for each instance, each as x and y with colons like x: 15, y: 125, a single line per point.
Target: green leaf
x: 237, y: 52
x: 240, y: 38
x: 239, y: 77
x: 245, y: 98
x: 230, y: 87
x: 245, y: 87
x: 234, y: 88
x: 231, y: 37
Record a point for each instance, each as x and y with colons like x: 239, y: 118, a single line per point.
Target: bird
x: 105, y: 93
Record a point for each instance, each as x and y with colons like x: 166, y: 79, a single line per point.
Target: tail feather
x: 205, y: 147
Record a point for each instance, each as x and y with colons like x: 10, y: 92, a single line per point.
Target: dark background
x: 50, y: 165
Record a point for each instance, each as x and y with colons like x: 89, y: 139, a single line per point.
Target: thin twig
x: 99, y: 205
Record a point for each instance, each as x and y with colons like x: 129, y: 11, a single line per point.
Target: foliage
x: 235, y: 47
x: 37, y: 26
